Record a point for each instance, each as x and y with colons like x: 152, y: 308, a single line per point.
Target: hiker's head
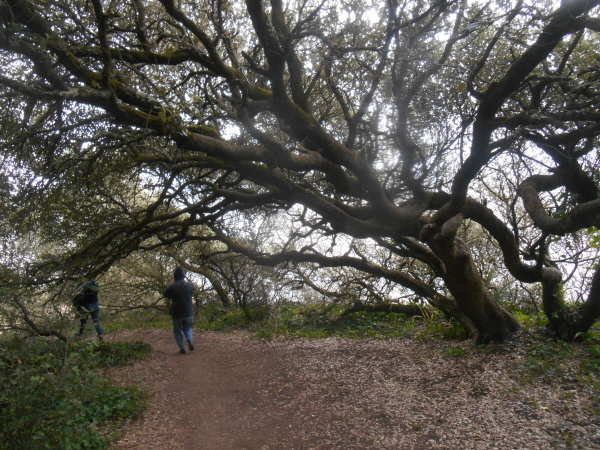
x: 89, y: 284
x: 179, y: 273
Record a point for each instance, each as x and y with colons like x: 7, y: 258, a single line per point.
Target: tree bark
x: 565, y: 322
x: 465, y: 284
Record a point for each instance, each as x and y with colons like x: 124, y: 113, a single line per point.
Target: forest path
x: 236, y: 392
x: 219, y: 396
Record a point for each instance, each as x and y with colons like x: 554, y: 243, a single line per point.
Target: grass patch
x: 456, y: 351
x: 152, y: 319
x: 311, y: 321
x: 218, y: 319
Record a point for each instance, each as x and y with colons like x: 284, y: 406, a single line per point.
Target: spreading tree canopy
x: 409, y: 133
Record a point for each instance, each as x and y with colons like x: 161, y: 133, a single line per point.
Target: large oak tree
x: 142, y: 123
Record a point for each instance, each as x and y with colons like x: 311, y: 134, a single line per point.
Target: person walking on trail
x: 181, y: 309
x: 87, y: 305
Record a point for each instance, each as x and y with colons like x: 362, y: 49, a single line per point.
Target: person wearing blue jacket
x: 181, y: 309
x: 87, y: 305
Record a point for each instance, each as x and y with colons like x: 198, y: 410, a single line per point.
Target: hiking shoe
x: 191, y: 346
x: 182, y: 351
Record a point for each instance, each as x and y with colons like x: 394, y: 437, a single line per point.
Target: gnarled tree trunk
x: 465, y: 284
x: 566, y: 322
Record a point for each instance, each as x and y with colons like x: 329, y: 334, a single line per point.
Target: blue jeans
x: 94, y: 311
x: 181, y: 328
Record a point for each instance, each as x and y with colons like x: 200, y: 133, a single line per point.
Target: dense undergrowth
x: 318, y: 321
x: 54, y: 396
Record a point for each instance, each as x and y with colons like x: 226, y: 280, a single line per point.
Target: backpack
x: 78, y: 300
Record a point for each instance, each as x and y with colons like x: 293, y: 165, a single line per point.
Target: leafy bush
x: 593, y: 362
x: 52, y: 395
x: 456, y: 351
x: 218, y: 319
x: 118, y: 353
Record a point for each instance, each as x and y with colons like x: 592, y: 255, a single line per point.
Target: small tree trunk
x: 463, y: 280
x: 218, y: 287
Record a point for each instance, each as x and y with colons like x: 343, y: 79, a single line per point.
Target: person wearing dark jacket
x: 87, y: 305
x: 181, y: 309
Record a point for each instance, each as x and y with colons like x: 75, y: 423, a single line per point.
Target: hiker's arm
x: 169, y: 292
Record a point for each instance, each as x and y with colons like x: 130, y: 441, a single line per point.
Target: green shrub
x: 592, y: 363
x: 457, y: 352
x: 52, y: 396
x: 218, y: 319
x: 118, y: 353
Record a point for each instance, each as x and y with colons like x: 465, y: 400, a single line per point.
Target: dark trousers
x: 92, y: 311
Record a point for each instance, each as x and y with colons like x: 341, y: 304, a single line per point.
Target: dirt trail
x: 222, y: 395
x: 235, y: 392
